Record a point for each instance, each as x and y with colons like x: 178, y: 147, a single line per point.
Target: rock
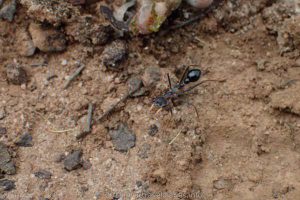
x: 6, y: 164
x: 114, y: 54
x: 24, y: 140
x: 7, y: 12
x: 25, y: 44
x: 2, y: 113
x: 73, y: 160
x: 122, y: 138
x: 16, y: 74
x: 47, y: 39
x: 223, y: 183
x: 7, y: 185
x: 151, y: 76
x: 3, y: 131
x: 134, y: 83
x: 153, y: 129
x: 43, y: 174
x: 143, y: 151
x: 287, y: 100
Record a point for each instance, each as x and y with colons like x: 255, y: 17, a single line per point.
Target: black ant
x: 174, y: 92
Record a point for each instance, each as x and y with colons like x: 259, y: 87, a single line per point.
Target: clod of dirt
x: 159, y: 176
x: 7, y: 185
x: 8, y: 11
x: 287, y: 100
x: 43, y: 174
x: 122, y: 138
x: 73, y: 160
x: 25, y: 44
x: 153, y: 129
x: 16, y: 74
x: 223, y: 183
x: 143, y: 151
x: 114, y: 54
x: 151, y: 76
x: 88, y: 31
x: 134, y: 83
x: 54, y: 12
x: 6, y: 164
x: 2, y: 113
x: 3, y: 131
x: 24, y: 140
x: 47, y: 39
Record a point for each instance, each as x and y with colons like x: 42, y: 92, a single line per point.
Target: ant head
x: 193, y: 75
x: 160, y: 102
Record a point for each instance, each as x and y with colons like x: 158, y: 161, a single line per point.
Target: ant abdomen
x: 193, y: 75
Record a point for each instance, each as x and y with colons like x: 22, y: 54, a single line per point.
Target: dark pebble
x: 16, y: 74
x: 134, y: 83
x: 113, y: 54
x: 6, y: 164
x: 3, y: 130
x: 122, y: 138
x: 24, y: 140
x: 73, y: 160
x: 8, y: 11
x: 153, y: 129
x: 7, y: 185
x: 43, y: 174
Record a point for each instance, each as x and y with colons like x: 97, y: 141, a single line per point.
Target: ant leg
x: 184, y: 74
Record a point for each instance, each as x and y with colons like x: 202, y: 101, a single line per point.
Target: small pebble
x: 153, y: 129
x: 73, y: 160
x: 7, y: 12
x: 151, y: 76
x: 3, y: 131
x: 223, y: 183
x: 43, y: 174
x: 7, y: 166
x: 24, y: 140
x: 114, y: 54
x: 16, y: 74
x: 123, y: 139
x: 7, y: 185
x: 134, y: 83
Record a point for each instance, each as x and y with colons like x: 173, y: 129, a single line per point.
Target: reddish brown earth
x: 245, y: 143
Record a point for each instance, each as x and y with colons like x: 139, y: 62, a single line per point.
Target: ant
x: 179, y: 89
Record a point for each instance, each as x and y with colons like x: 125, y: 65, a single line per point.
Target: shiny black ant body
x: 189, y: 76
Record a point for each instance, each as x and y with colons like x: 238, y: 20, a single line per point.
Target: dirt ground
x: 245, y: 143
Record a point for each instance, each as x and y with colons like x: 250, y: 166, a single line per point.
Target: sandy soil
x: 245, y: 143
